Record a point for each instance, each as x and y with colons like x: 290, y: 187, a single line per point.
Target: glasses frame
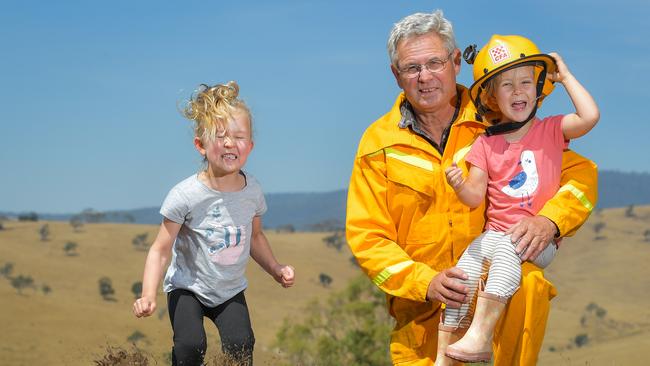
x: 421, y: 67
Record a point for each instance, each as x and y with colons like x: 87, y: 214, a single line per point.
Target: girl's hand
x: 284, y: 275
x: 144, y: 306
x: 455, y: 177
x: 562, y: 72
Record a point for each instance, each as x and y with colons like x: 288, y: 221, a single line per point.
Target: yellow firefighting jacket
x: 405, y: 224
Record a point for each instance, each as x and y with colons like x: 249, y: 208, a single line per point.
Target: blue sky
x: 90, y: 90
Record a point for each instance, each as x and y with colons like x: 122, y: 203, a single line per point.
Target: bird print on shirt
x: 525, y: 183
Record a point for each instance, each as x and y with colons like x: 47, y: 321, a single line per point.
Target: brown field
x: 72, y: 325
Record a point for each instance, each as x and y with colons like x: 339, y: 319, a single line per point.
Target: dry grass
x: 72, y: 324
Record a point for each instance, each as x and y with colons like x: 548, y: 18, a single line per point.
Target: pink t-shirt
x: 522, y: 175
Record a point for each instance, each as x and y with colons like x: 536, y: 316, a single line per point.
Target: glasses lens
x: 412, y: 71
x: 435, y: 65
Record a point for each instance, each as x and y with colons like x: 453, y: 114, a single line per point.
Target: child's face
x: 228, y: 152
x: 515, y: 93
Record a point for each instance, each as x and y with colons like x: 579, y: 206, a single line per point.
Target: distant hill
x: 306, y: 210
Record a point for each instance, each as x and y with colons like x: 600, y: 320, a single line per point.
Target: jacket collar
x: 386, y: 130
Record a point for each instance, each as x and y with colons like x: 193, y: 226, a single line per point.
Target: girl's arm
x: 262, y: 254
x: 157, y: 258
x: 470, y: 191
x: 587, y: 114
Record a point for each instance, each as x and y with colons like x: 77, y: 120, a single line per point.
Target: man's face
x: 427, y: 92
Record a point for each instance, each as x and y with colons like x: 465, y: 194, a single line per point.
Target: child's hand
x: 562, y: 72
x: 144, y: 307
x: 455, y: 177
x: 284, y: 275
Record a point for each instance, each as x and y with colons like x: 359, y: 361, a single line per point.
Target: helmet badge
x: 499, y: 53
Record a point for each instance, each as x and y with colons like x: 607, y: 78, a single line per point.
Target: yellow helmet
x: 502, y: 53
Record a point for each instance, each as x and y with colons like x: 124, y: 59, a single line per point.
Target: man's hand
x: 532, y: 235
x: 446, y: 287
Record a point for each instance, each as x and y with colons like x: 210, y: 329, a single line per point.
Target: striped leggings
x: 492, y: 254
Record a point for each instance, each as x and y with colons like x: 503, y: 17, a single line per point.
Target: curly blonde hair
x: 211, y: 107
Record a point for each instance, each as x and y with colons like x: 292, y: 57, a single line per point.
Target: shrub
x: 21, y: 282
x: 325, y: 279
x: 336, y: 240
x: 106, y: 289
x: 140, y: 241
x: 44, y: 232
x: 136, y: 288
x: 117, y: 356
x: 352, y: 328
x: 32, y: 216
x: 581, y: 339
x: 70, y: 248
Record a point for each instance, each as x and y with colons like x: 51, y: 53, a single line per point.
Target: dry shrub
x: 118, y: 356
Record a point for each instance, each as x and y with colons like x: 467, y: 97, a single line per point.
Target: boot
x: 447, y: 335
x: 476, y: 345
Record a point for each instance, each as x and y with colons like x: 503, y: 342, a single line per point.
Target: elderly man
x: 406, y: 226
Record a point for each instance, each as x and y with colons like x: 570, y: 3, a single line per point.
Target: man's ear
x: 396, y: 74
x: 198, y: 144
x: 457, y: 60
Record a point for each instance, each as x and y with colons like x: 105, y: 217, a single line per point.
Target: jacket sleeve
x: 372, y: 232
x: 577, y: 196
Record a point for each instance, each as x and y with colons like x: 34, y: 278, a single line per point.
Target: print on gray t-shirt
x: 212, y: 248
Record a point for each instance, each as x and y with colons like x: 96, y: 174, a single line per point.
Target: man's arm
x: 565, y: 212
x: 371, y: 235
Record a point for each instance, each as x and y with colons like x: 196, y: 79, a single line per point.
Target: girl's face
x: 228, y: 152
x: 515, y: 93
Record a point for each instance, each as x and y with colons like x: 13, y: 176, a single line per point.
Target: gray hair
x: 418, y: 24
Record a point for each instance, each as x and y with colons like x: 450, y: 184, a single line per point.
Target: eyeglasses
x: 433, y: 66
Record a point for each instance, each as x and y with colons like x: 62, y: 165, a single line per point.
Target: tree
x: 32, y: 216
x: 336, y: 240
x: 598, y: 227
x: 106, y: 289
x: 46, y: 289
x: 21, y: 282
x: 288, y: 228
x: 629, y: 211
x: 137, y: 289
x: 7, y: 269
x: 140, y: 241
x: 325, y: 279
x: 44, y: 232
x: 351, y: 328
x: 90, y: 215
x: 136, y: 336
x: 70, y: 248
x: 646, y: 235
x: 76, y: 222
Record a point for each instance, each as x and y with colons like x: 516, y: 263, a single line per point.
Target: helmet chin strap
x: 500, y: 128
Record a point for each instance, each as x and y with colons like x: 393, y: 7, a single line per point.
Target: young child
x: 212, y: 221
x: 518, y: 164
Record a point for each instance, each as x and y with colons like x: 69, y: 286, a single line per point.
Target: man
x: 406, y: 226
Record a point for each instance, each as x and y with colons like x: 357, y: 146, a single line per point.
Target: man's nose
x: 425, y: 74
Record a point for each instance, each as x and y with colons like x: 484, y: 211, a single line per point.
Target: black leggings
x: 231, y: 318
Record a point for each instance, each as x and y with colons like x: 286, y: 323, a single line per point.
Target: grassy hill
x: 73, y: 324
x: 602, y: 302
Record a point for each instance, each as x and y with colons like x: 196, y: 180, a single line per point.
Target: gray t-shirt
x: 212, y: 248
